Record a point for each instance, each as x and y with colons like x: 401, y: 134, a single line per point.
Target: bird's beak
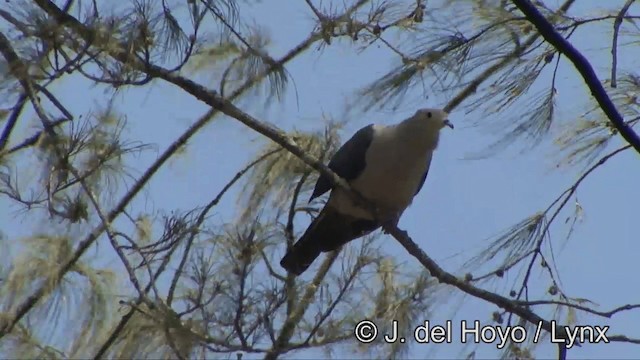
x: 448, y: 123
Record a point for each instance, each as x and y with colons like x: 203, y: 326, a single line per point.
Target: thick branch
x: 447, y: 278
x: 583, y: 66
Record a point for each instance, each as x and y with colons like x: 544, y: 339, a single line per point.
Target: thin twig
x: 607, y: 314
x: 320, y: 16
x: 329, y: 310
x: 276, y: 135
x: 117, y: 330
x: 203, y: 215
x: 12, y: 121
x: 567, y: 195
x: 614, y: 47
x: 289, y: 326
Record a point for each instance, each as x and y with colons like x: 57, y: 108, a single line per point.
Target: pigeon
x: 387, y: 165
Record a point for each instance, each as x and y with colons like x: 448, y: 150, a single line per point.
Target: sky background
x: 463, y: 203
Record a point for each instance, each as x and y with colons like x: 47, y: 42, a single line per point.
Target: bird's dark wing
x: 348, y: 162
x: 424, y: 177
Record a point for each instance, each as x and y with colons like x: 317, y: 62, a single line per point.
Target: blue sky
x: 463, y: 202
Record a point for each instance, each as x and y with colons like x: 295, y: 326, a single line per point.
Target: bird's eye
x: 429, y: 114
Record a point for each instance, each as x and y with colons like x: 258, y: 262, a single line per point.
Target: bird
x: 387, y: 165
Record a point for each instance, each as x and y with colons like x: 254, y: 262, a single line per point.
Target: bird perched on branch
x: 388, y: 165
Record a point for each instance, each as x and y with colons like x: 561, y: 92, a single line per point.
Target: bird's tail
x: 329, y: 231
x: 303, y: 253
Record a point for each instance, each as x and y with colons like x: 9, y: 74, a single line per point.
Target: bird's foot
x: 393, y: 223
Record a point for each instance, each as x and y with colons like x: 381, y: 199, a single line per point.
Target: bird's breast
x: 391, y: 177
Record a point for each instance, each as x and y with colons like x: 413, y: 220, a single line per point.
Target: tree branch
x: 584, y: 68
x: 614, y: 46
x: 202, y: 217
x: 19, y: 70
x: 565, y: 196
x: 12, y: 121
x: 447, y: 278
x: 471, y: 88
x: 294, y: 318
x: 607, y: 314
